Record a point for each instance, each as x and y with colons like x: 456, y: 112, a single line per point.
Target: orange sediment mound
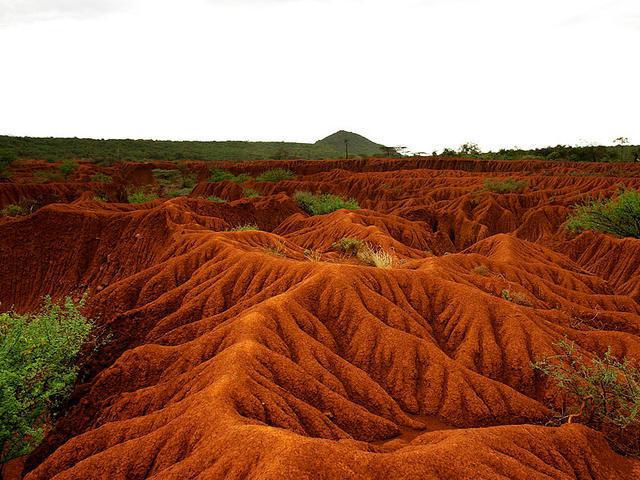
x: 270, y: 354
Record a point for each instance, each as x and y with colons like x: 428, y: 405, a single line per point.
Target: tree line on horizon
x: 110, y: 151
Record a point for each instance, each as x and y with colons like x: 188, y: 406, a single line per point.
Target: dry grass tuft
x: 375, y: 256
x: 481, y: 270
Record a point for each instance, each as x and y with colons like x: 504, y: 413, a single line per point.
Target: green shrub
x: 7, y: 156
x: 67, y: 167
x: 38, y: 355
x: 619, y: 216
x: 244, y: 228
x: 4, y: 169
x: 176, y: 182
x: 219, y: 175
x: 602, y: 392
x: 101, y: 178
x: 189, y: 179
x: 275, y: 175
x: 508, y: 185
x: 141, y: 197
x: 12, y: 210
x: 250, y: 193
x: 323, y: 203
x: 216, y: 199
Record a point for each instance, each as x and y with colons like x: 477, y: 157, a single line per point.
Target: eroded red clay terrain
x: 240, y: 355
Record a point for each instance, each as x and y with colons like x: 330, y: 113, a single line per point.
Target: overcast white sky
x: 420, y: 73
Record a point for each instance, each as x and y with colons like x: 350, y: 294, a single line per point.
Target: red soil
x: 234, y: 355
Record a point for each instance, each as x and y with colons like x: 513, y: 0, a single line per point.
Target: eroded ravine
x: 236, y: 355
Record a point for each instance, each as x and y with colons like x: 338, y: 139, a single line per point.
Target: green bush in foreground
x: 141, y: 197
x: 603, y: 392
x: 275, y: 175
x: 619, y: 216
x: 323, y: 203
x: 38, y: 355
x: 508, y: 185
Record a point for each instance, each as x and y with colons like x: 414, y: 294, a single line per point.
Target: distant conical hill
x: 358, y: 145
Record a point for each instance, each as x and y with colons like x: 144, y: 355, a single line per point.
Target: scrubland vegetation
x: 619, y: 216
x: 109, y: 151
x: 508, y: 185
x: 275, y: 175
x: 219, y: 175
x: 141, y: 197
x: 604, y: 389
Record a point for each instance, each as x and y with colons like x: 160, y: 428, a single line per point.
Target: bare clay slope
x: 240, y: 355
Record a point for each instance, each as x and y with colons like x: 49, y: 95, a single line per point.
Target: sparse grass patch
x: 516, y: 297
x: 244, y: 228
x: 141, y: 197
x: 602, y: 392
x: 101, y: 178
x: 481, y: 270
x: 215, y: 199
x: 619, y: 216
x: 250, y: 193
x: 508, y: 185
x: 276, y: 249
x: 13, y: 210
x: 322, y: 204
x: 313, y: 255
x: 275, y: 175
